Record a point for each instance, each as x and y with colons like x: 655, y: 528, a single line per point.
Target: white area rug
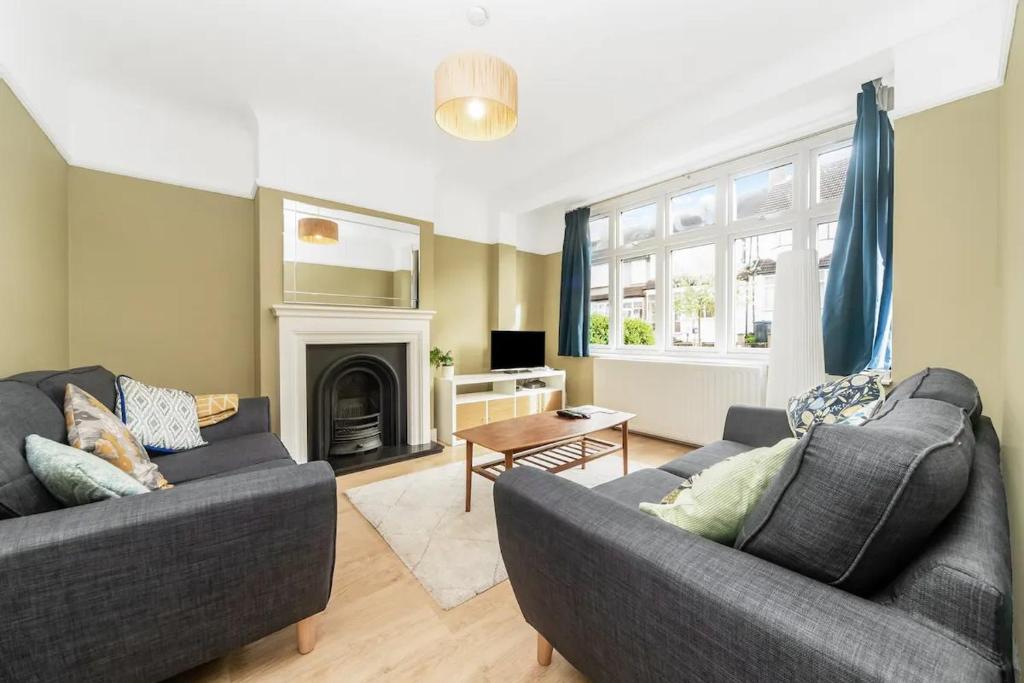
x: 453, y: 554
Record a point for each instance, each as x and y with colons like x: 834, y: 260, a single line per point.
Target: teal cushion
x: 714, y: 502
x: 75, y: 477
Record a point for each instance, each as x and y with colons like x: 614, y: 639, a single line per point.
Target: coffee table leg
x: 469, y: 475
x: 583, y: 446
x: 509, y: 461
x: 625, y: 448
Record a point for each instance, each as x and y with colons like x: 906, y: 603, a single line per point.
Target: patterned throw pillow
x: 165, y: 420
x: 713, y: 503
x: 93, y: 428
x: 849, y: 400
x: 75, y: 477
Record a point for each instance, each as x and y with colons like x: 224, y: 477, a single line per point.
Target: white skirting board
x: 682, y: 401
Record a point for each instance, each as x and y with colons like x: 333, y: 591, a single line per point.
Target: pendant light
x: 318, y: 230
x: 476, y: 97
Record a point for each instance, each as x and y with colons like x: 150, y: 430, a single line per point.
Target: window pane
x: 764, y: 192
x: 637, y: 277
x: 754, y: 279
x: 832, y: 168
x: 639, y: 224
x: 599, y: 303
x: 826, y: 237
x: 691, y: 210
x: 599, y: 233
x: 693, y: 296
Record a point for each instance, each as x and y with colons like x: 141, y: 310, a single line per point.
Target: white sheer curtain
x: 796, y: 361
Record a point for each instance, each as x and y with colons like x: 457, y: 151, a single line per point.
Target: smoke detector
x: 477, y: 15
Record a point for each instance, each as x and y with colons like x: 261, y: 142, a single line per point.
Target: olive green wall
x: 161, y: 282
x: 946, y: 247
x: 33, y: 243
x: 463, y: 301
x: 1010, y: 241
x: 531, y: 291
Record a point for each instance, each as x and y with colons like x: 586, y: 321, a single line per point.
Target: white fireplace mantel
x: 300, y: 325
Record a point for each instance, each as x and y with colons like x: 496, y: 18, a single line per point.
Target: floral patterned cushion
x: 849, y: 400
x: 93, y: 428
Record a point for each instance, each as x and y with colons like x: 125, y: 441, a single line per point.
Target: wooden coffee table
x: 545, y: 441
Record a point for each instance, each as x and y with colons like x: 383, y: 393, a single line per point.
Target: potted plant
x: 443, y: 359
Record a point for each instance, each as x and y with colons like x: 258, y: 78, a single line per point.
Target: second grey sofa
x: 141, y: 588
x: 627, y: 597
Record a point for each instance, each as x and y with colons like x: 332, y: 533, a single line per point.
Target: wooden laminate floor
x: 381, y: 625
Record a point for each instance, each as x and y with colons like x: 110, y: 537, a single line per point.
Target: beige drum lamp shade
x: 318, y: 231
x: 476, y: 97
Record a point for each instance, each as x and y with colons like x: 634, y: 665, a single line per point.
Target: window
x: 707, y: 245
x: 763, y: 193
x: 754, y: 260
x: 599, y: 304
x: 693, y: 209
x: 599, y: 229
x: 832, y: 167
x: 637, y: 281
x: 824, y: 239
x: 639, y: 224
x: 693, y: 296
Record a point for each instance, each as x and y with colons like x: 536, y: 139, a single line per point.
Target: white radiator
x: 684, y: 401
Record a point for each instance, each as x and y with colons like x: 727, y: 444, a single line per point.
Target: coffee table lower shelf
x: 554, y: 458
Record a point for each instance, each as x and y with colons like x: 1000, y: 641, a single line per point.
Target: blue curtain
x: 857, y: 314
x: 574, y: 309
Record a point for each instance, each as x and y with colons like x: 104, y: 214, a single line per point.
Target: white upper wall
x: 333, y: 98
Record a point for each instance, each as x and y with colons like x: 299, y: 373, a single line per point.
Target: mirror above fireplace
x: 349, y: 259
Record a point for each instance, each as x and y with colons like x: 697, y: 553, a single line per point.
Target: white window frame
x: 611, y: 299
x: 802, y: 219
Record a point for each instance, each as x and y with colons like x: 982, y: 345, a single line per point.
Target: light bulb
x: 476, y: 109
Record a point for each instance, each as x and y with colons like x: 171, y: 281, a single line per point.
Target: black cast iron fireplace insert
x: 356, y: 406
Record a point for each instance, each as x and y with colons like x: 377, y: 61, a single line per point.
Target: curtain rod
x: 717, y: 163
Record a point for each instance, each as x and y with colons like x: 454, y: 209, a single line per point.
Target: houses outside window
x: 707, y: 244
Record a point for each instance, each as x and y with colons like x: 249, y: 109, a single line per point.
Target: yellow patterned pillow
x: 93, y: 428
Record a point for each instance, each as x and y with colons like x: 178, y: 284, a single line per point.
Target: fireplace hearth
x: 357, y: 406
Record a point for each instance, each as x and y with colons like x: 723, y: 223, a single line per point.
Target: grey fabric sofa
x: 141, y: 588
x: 627, y: 597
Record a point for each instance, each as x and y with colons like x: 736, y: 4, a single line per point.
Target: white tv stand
x: 502, y: 399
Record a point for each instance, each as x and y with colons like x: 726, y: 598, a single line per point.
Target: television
x: 513, y: 350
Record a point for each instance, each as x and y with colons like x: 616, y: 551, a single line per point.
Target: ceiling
x: 334, y: 98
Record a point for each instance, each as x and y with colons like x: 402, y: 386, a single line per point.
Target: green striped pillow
x: 714, y: 503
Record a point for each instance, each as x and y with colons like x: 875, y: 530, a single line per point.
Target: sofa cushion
x: 24, y: 410
x: 74, y: 477
x: 853, y: 505
x: 222, y: 457
x: 848, y: 400
x: 94, y: 429
x: 642, y: 486
x: 269, y: 465
x: 165, y: 420
x: 942, y: 384
x: 95, y: 379
x: 686, y: 466
x: 714, y: 503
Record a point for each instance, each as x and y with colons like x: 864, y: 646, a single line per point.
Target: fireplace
x: 356, y: 405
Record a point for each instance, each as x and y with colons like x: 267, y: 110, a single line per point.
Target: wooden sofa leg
x: 544, y: 650
x: 306, y: 634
